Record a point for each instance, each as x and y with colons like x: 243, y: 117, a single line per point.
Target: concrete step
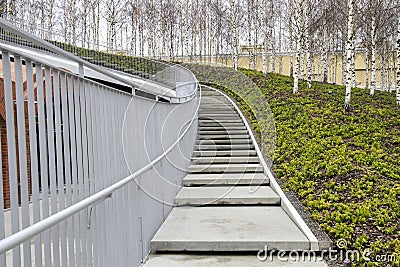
x: 223, y: 142
x: 225, y: 179
x: 207, y: 121
x: 227, y: 195
x: 216, y: 160
x: 213, y: 108
x: 224, y: 260
x: 224, y: 153
x: 221, y: 124
x: 218, y: 118
x: 223, y: 147
x: 204, y: 130
x: 236, y: 228
x: 217, y: 111
x: 222, y: 136
x: 213, y: 99
x: 225, y: 168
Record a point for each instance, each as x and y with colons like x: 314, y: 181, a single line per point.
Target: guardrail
x: 151, y: 73
x: 89, y: 172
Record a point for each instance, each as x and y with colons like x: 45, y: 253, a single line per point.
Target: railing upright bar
x: 12, y: 157
x: 103, y: 176
x: 43, y: 160
x: 85, y: 160
x: 75, y: 192
x: 117, y: 199
x: 80, y: 187
x: 66, y: 87
x: 108, y: 210
x: 93, y: 174
x: 35, y: 198
x: 2, y: 230
x: 22, y: 155
x: 60, y: 165
x: 52, y: 162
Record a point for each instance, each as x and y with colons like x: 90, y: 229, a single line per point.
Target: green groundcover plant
x: 344, y: 166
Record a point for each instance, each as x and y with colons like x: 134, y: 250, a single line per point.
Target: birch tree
x: 264, y: 32
x: 234, y: 34
x: 307, y: 43
x: 298, y: 43
x: 373, y: 54
x: 398, y: 59
x: 349, y: 52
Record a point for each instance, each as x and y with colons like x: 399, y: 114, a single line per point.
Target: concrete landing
x: 225, y: 179
x: 199, y: 260
x: 235, y: 228
x: 227, y: 195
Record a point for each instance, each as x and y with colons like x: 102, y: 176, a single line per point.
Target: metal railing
x: 89, y: 172
x: 179, y: 83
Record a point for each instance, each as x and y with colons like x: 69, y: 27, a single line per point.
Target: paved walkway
x: 227, y: 205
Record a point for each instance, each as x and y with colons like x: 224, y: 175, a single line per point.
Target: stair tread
x: 227, y: 195
x: 235, y: 228
x: 226, y: 179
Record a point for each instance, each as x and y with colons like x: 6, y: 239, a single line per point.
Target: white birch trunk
x: 398, y: 62
x: 298, y: 36
x: 307, y: 44
x: 186, y: 31
x: 271, y: 37
x: 290, y: 39
x: 373, y: 56
x: 280, y: 46
x: 383, y: 72
x: 264, y: 36
x: 367, y: 69
x: 249, y: 30
x: 390, y: 73
x: 349, y: 52
x: 234, y: 33
x: 326, y: 59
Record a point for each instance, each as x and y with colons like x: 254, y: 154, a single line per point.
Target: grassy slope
x: 344, y: 166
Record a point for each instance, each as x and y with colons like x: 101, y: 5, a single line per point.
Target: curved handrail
x: 83, y: 63
x: 37, y: 228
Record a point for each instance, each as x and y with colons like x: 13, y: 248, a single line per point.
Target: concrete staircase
x: 227, y: 204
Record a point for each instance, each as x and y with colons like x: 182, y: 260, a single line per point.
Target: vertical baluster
x: 35, y: 198
x: 91, y: 161
x: 66, y: 87
x: 2, y: 231
x: 79, y: 146
x: 43, y: 160
x: 60, y: 163
x: 12, y: 157
x: 83, y: 100
x: 102, y: 174
x: 23, y: 168
x: 52, y: 162
x: 72, y: 91
x: 93, y: 167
